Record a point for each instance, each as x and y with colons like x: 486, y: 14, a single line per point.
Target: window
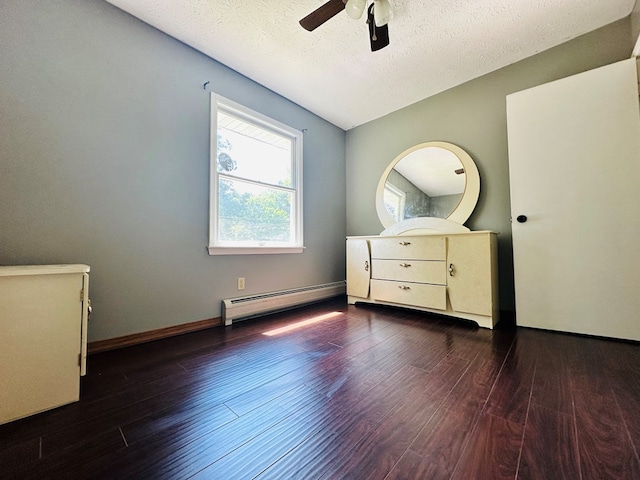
x: 256, y: 182
x: 394, y: 200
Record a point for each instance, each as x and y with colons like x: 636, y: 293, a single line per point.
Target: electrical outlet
x: 240, y: 283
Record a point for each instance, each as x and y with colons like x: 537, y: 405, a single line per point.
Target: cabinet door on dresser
x: 358, y: 267
x: 472, y: 280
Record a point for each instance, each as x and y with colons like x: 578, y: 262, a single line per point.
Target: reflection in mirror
x: 432, y: 180
x: 428, y: 182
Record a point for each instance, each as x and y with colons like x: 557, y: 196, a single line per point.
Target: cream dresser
x: 452, y: 274
x: 425, y: 258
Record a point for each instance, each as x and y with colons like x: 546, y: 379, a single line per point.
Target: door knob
x: 521, y: 218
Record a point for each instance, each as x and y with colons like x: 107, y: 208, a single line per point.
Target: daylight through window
x: 256, y: 182
x: 394, y: 200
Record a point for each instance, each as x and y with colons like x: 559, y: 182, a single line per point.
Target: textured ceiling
x: 435, y: 45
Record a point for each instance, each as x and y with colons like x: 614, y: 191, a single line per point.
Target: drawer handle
x: 404, y: 287
x: 405, y: 265
x: 366, y: 266
x: 451, y: 269
x: 404, y: 244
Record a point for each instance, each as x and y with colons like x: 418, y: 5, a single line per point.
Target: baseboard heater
x: 243, y: 308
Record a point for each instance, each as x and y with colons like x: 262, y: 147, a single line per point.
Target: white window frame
x: 401, y: 196
x: 216, y: 248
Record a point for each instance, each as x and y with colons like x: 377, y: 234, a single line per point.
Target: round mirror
x: 430, y: 180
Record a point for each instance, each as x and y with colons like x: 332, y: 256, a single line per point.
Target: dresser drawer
x: 411, y: 248
x: 420, y: 271
x: 408, y: 293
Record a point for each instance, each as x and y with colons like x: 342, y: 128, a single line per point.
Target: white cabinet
x: 43, y: 327
x: 449, y: 274
x: 574, y: 165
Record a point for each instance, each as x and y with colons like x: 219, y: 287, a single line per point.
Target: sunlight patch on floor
x: 304, y: 323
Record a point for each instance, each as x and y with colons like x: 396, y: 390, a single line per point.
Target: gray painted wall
x: 104, y: 139
x: 104, y: 159
x: 473, y: 116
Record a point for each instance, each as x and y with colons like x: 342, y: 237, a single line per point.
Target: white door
x: 574, y: 166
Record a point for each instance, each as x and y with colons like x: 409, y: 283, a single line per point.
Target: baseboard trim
x: 151, y: 335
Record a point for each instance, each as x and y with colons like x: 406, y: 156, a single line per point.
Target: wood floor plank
x: 356, y: 421
x: 551, y: 386
x: 57, y: 464
x: 606, y: 451
x: 151, y: 426
x: 377, y: 453
x: 371, y: 392
x: 19, y: 457
x: 185, y: 449
x: 255, y: 456
x: 410, y: 467
x: 549, y: 447
x: 492, y: 451
x: 511, y: 393
x: 194, y: 391
x: 355, y: 366
x: 436, y: 443
x: 349, y: 416
x: 255, y: 397
x: 627, y: 400
x: 620, y: 364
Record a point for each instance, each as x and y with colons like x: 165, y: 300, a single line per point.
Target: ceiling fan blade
x: 322, y: 14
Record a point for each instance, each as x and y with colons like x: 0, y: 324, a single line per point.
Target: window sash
x: 243, y: 114
x: 394, y: 199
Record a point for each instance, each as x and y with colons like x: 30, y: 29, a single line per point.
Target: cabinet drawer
x: 408, y: 293
x: 421, y: 271
x: 412, y: 248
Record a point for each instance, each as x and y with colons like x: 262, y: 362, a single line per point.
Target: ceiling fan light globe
x: 382, y: 12
x: 354, y: 8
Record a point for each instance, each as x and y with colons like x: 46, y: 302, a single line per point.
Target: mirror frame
x: 470, y: 195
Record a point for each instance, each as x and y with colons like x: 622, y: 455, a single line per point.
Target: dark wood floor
x: 370, y: 393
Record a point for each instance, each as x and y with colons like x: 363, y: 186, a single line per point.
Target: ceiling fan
x: 378, y: 15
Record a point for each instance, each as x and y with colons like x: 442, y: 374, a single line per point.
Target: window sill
x: 252, y: 250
